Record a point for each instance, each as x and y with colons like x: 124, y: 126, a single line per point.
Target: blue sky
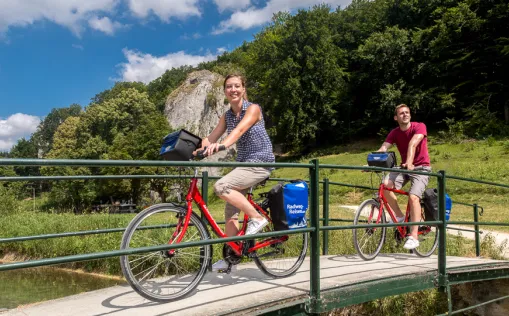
x: 54, y: 53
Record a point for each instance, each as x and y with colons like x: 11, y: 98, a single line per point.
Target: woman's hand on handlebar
x: 209, y: 150
x: 212, y: 149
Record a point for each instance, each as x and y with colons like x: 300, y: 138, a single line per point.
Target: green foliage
x: 117, y: 89
x: 41, y: 141
x: 302, y: 71
x: 9, y: 203
x: 125, y: 125
x: 211, y: 100
x: 443, y: 58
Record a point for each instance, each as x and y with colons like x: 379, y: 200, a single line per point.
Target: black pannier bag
x: 430, y: 201
x: 382, y: 159
x: 288, y: 204
x: 179, y: 146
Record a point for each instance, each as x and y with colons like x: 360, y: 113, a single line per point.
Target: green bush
x: 8, y: 202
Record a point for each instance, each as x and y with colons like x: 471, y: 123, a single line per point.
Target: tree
x: 117, y: 89
x: 43, y: 137
x: 299, y: 77
x: 124, y: 127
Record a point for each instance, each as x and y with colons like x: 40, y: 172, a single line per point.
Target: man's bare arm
x: 385, y: 146
x: 416, y: 139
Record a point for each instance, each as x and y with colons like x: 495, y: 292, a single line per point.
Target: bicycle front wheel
x: 428, y: 239
x: 164, y: 276
x: 282, y: 258
x: 369, y: 241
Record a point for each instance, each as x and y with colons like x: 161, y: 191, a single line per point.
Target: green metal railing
x: 315, y: 304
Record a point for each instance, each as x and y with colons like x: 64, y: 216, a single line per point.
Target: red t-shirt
x: 402, y: 139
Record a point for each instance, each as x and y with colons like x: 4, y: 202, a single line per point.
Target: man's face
x: 403, y: 115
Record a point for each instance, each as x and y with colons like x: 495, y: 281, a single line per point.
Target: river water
x: 25, y: 286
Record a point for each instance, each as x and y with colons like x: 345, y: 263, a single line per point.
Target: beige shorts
x: 418, y: 181
x: 239, y: 179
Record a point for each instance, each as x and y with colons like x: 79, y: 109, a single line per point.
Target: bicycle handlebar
x: 200, y: 153
x: 418, y: 168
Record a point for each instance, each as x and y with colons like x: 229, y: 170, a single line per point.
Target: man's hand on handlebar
x: 407, y: 166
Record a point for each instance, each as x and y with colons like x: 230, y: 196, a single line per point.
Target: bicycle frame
x: 385, y: 204
x: 193, y: 194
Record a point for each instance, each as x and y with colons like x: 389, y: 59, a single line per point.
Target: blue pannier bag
x: 288, y: 204
x: 382, y: 159
x: 179, y: 145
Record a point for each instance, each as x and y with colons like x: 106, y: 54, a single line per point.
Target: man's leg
x: 419, y: 183
x: 415, y: 213
x: 393, y: 180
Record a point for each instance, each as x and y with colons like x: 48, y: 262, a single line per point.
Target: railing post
x: 476, y: 228
x: 442, y: 273
x: 325, y: 245
x: 314, y: 291
x: 205, y: 190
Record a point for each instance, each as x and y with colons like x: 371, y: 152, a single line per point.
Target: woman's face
x: 234, y: 90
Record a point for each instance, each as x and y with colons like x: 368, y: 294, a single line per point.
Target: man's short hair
x: 399, y: 107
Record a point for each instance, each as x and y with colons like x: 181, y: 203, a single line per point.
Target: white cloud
x: 77, y: 46
x: 165, y: 9
x: 15, y: 127
x: 78, y: 14
x: 234, y: 5
x: 221, y: 50
x: 72, y: 14
x: 145, y: 67
x: 104, y: 24
x: 253, y: 16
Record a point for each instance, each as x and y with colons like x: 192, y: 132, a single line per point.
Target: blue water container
x: 448, y: 207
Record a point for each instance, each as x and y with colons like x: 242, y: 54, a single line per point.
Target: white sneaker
x: 254, y: 226
x: 411, y: 243
x: 400, y: 219
x: 221, y: 266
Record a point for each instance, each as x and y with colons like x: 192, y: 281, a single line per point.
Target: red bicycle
x: 369, y: 241
x: 164, y: 276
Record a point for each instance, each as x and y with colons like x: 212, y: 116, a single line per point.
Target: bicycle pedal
x: 225, y: 271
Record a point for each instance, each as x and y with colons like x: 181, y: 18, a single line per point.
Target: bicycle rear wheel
x: 164, y: 276
x: 428, y: 239
x: 369, y: 241
x: 283, y: 258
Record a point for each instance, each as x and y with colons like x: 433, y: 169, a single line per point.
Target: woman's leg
x: 231, y: 188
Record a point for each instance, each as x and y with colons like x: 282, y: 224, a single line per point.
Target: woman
x: 245, y: 126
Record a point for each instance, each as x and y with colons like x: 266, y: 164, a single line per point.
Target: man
x: 411, y: 140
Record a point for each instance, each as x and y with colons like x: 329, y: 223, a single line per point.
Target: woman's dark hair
x: 242, y: 79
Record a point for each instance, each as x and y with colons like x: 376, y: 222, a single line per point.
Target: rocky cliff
x: 198, y: 103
